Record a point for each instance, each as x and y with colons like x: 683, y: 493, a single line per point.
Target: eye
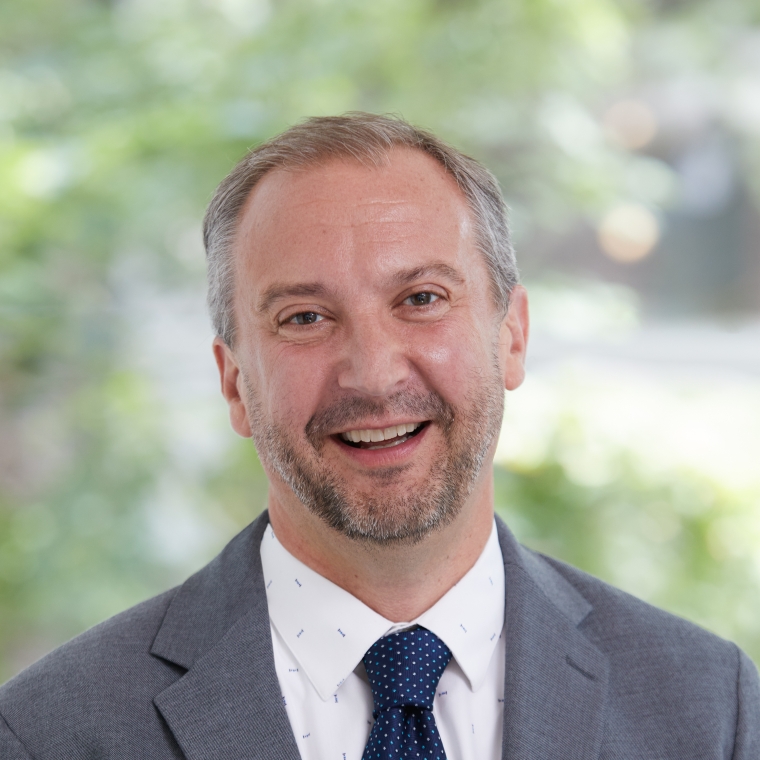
x: 421, y: 299
x: 305, y: 318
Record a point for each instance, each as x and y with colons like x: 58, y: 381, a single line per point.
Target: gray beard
x: 365, y: 516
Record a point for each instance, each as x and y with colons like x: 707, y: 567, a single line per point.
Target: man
x: 368, y: 315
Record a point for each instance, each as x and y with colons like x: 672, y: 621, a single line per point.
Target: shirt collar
x: 329, y: 630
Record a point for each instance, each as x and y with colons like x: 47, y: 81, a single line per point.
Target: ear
x: 513, y: 338
x: 233, y: 387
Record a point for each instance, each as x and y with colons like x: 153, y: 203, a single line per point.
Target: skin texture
x: 362, y: 301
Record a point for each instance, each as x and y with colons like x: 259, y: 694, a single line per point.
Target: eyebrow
x: 405, y: 276
x: 279, y: 291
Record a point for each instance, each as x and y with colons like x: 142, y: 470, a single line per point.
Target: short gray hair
x: 366, y: 138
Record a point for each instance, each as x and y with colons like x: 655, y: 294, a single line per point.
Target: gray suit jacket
x: 591, y: 673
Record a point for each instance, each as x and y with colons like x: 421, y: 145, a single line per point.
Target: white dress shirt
x: 320, y: 634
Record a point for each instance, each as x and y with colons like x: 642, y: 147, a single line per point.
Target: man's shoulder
x: 663, y: 661
x: 668, y: 687
x: 105, y: 671
x: 122, y: 641
x: 617, y: 622
x: 95, y: 695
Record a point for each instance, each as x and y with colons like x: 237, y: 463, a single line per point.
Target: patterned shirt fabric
x: 403, y: 670
x: 320, y: 634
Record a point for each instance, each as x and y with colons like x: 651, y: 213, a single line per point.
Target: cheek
x: 452, y: 360
x: 292, y: 384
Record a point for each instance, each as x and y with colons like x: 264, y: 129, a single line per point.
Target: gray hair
x: 368, y: 139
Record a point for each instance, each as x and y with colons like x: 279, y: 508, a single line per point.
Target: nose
x: 375, y: 363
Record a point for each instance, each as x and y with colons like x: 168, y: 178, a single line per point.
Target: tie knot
x: 404, y: 669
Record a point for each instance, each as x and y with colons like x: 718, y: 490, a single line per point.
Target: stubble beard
x: 382, y: 516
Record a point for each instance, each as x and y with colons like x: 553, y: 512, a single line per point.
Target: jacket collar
x: 555, y: 681
x: 229, y: 705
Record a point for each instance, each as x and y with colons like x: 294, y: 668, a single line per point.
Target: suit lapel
x: 555, y: 679
x: 228, y: 705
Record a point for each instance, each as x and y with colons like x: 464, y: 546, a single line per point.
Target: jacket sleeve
x: 747, y: 746
x: 10, y: 746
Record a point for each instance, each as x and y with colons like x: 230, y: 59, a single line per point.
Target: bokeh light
x: 629, y: 232
x: 631, y: 124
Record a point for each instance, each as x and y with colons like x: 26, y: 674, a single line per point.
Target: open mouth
x: 381, y: 438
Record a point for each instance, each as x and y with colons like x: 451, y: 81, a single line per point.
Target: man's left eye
x: 422, y: 299
x: 305, y: 318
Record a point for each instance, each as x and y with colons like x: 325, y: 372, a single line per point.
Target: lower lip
x: 382, y: 457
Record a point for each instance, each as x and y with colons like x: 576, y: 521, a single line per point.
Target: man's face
x: 370, y: 360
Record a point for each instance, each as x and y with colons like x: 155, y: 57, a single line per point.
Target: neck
x: 398, y: 581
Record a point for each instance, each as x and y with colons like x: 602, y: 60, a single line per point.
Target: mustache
x: 347, y: 413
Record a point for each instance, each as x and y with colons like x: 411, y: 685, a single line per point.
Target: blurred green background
x: 626, y: 136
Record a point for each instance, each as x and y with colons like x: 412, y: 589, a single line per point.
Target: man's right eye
x: 305, y: 318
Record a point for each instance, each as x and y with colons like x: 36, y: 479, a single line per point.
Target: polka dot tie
x: 404, y: 670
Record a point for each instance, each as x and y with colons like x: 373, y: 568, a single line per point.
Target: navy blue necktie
x: 404, y: 670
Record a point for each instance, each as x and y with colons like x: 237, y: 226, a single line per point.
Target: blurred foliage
x: 117, y: 120
x: 675, y: 542
x: 642, y: 485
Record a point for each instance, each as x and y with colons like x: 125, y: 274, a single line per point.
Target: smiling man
x: 369, y: 319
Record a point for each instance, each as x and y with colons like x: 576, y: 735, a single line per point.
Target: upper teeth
x: 371, y: 436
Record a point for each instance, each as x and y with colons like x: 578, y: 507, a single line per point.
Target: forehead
x: 406, y: 173
x: 345, y: 216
